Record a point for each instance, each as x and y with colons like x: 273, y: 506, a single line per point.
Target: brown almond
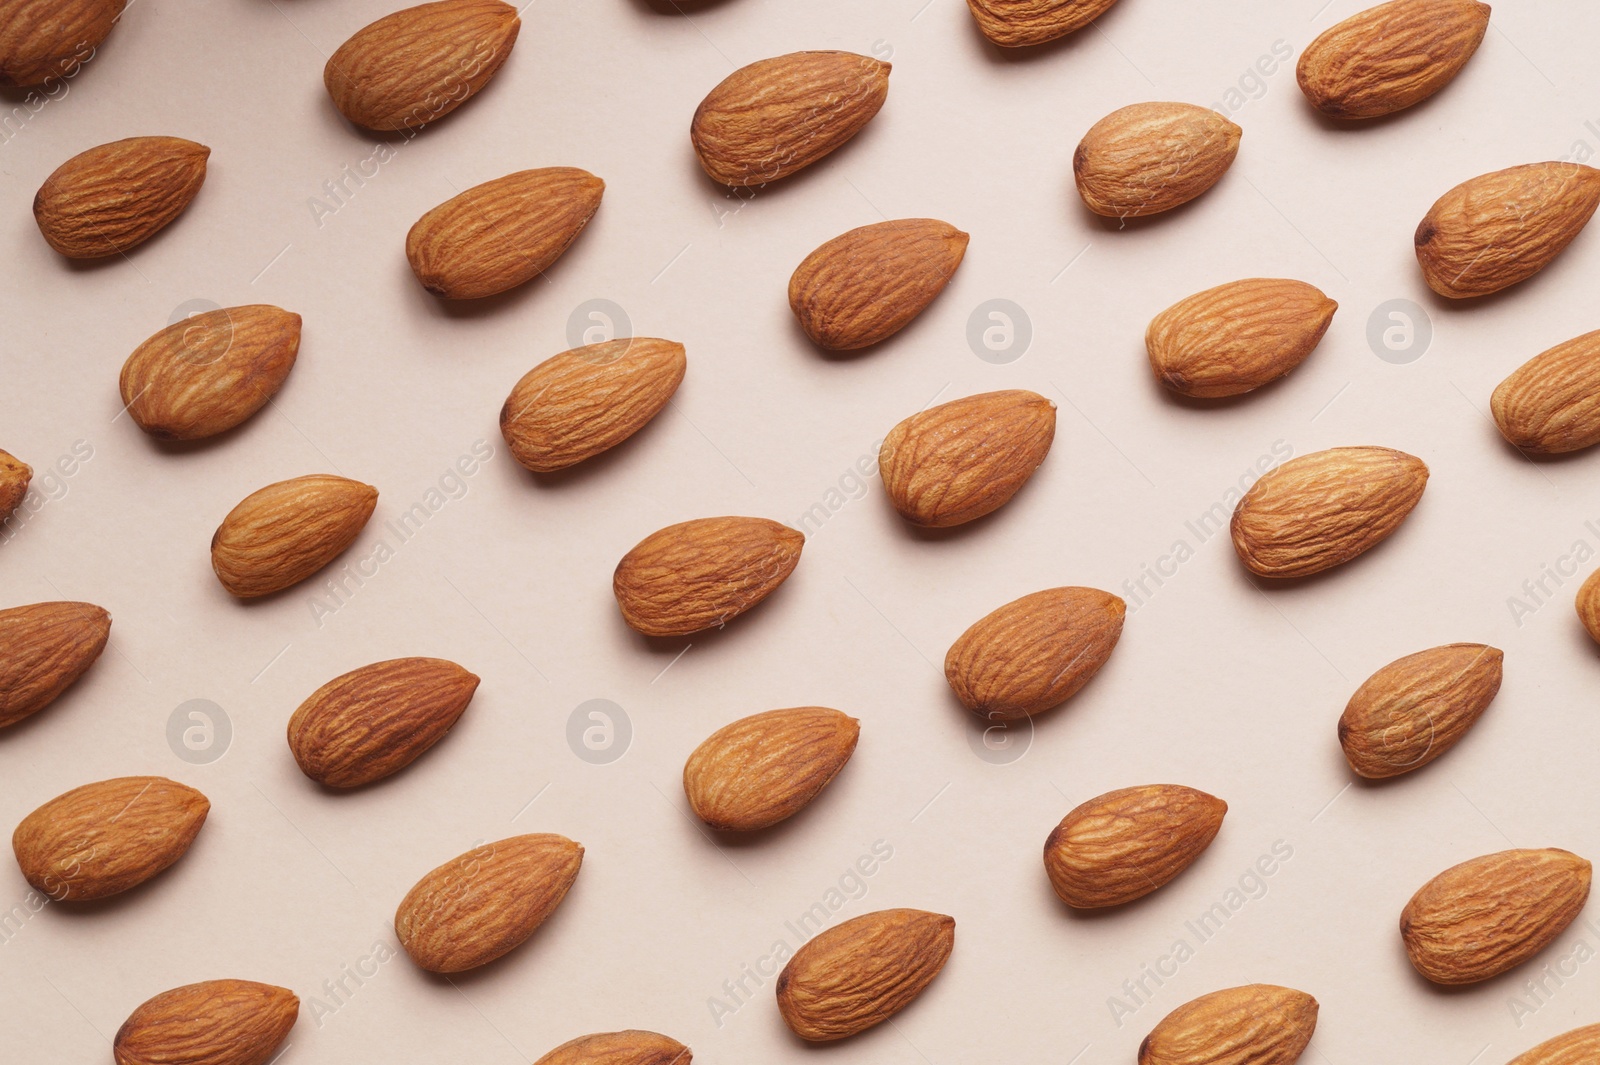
x: 575, y: 405
x: 217, y: 1022
x: 44, y: 647
x: 477, y: 907
x: 1236, y: 337
x: 281, y: 534
x: 702, y: 574
x: 1581, y: 1046
x: 114, y: 197
x: 44, y: 42
x: 419, y: 64
x: 374, y: 721
x: 1125, y: 844
x: 104, y: 838
x: 1418, y: 707
x: 1019, y: 23
x: 1391, y: 56
x: 1588, y: 605
x: 1147, y: 158
x: 1258, y: 1024
x: 1551, y: 404
x: 15, y: 476
x: 1323, y: 509
x: 862, y: 972
x: 764, y: 768
x: 776, y: 116
x: 633, y: 1047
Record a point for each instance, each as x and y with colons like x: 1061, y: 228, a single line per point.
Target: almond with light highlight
x: 1258, y: 1024
x: 44, y: 647
x: 43, y: 42
x: 1550, y: 404
x: 1581, y: 1046
x: 281, y: 534
x: 1418, y: 707
x: 762, y: 769
x: 1151, y: 157
x: 15, y: 476
x: 862, y: 972
x: 217, y: 1022
x: 864, y: 286
x: 633, y: 1047
x: 1020, y: 23
x: 1236, y: 337
x: 114, y: 197
x: 1127, y: 843
x: 702, y: 574
x: 1389, y: 57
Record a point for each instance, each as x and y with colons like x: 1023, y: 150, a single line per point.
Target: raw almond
x: 1581, y: 1046
x: 283, y: 533
x: 1127, y: 843
x: 1320, y: 510
x: 862, y: 972
x: 417, y: 65
x: 477, y: 907
x: 581, y: 402
x: 1237, y: 337
x: 104, y: 838
x: 1147, y: 158
x: 1391, y: 56
x: 1482, y: 917
x: 15, y: 476
x: 44, y: 41
x: 503, y: 233
x: 1018, y: 23
x: 217, y: 1022
x: 1416, y: 708
x: 1035, y: 652
x: 1551, y: 404
x: 1495, y: 230
x: 702, y: 574
x: 961, y: 460
x: 776, y: 116
x: 44, y: 647
x: 208, y: 373
x: 374, y: 721
x: 633, y: 1047
x: 114, y: 197
x: 1588, y: 605
x: 868, y: 284
x: 764, y: 768
x: 1258, y: 1024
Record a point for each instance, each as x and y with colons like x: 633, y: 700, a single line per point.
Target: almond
x: 1147, y: 158
x: 1035, y: 652
x: 633, y: 1047
x: 958, y: 461
x: 1482, y: 917
x: 44, y: 647
x: 1416, y: 708
x: 1258, y: 1024
x: 581, y: 402
x: 1018, y: 23
x: 764, y: 768
x: 1581, y: 1046
x: 104, y: 838
x: 862, y: 972
x: 702, y: 574
x: 503, y: 233
x: 1236, y: 337
x: 477, y: 907
x: 1588, y: 605
x: 283, y: 533
x: 44, y: 41
x: 1551, y: 403
x: 218, y: 1022
x: 1495, y: 230
x: 114, y: 197
x: 776, y: 116
x: 1391, y: 56
x: 15, y: 476
x: 374, y: 721
x: 868, y: 284
x: 417, y: 65
x: 1320, y: 510
x: 1127, y: 843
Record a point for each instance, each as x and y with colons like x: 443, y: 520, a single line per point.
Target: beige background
x: 1217, y: 683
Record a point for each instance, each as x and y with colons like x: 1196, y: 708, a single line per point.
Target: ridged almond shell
x: 702, y: 574
x: 1418, y: 707
x: 1236, y: 337
x: 1151, y: 157
x: 1551, y: 404
x: 49, y: 40
x: 1581, y: 1046
x: 633, y: 1047
x: 15, y: 476
x: 1127, y: 843
x: 1018, y: 23
x: 1258, y: 1024
x: 44, y: 647
x: 764, y: 768
x: 281, y: 534
x: 1391, y: 56
x: 1588, y: 605
x: 217, y: 1022
x: 114, y: 197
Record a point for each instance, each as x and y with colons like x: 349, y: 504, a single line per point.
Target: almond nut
x: 1587, y: 603
x: 1018, y: 23
x: 1581, y: 1046
x: 281, y: 534
x: 1147, y: 158
x: 766, y: 767
x: 1551, y: 404
x: 702, y: 574
x: 1127, y: 843
x: 1236, y: 337
x: 1391, y: 56
x: 217, y: 1022
x: 1416, y: 708
x: 44, y: 647
x: 45, y: 41
x: 114, y: 197
x: 15, y: 476
x: 633, y: 1047
x: 1258, y: 1024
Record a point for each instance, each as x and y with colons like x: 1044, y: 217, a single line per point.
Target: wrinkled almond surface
x: 1551, y: 403
x: 217, y: 1022
x: 1416, y: 708
x: 1258, y: 1024
x: 633, y: 1047
x: 114, y: 197
x: 1017, y: 23
x: 866, y: 285
x: 702, y: 574
x: 1588, y: 605
x: 1237, y: 337
x: 1391, y: 56
x: 761, y: 769
x: 1125, y: 844
x: 862, y: 972
x: 44, y: 42
x: 1147, y: 158
x: 44, y: 647
x: 1581, y: 1046
x: 281, y: 534
x: 15, y: 476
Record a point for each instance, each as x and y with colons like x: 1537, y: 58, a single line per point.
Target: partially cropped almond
x: 280, y: 535
x: 764, y: 768
x: 114, y: 197
x: 217, y: 1022
x: 1258, y: 1024
x: 1482, y: 917
x: 1416, y: 708
x: 862, y: 972
x: 1018, y: 23
x: 486, y: 902
x: 44, y: 647
x: 868, y: 284
x: 1323, y: 509
x: 45, y: 42
x: 633, y: 1047
x: 1391, y: 56
x: 1147, y: 158
x: 702, y: 574
x: 1551, y: 404
x: 776, y: 116
x: 1588, y: 605
x: 1237, y: 337
x: 15, y: 476
x: 1581, y: 1046
x: 1127, y: 843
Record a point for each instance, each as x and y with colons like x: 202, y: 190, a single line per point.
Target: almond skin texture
x: 417, y: 65
x: 1588, y: 605
x: 1482, y: 917
x: 1019, y: 23
x: 280, y: 535
x: 114, y: 197
x: 1581, y: 1046
x: 1035, y: 652
x: 1495, y: 230
x: 764, y: 768
x: 633, y: 1047
x: 1391, y: 56
x: 47, y: 41
x: 376, y: 720
x: 1320, y: 510
x: 44, y: 647
x: 1551, y: 404
x: 104, y: 838
x: 1125, y: 844
x: 218, y: 1022
x: 868, y: 284
x: 702, y: 574
x: 961, y: 460
x: 767, y: 120
x: 577, y: 404
x: 477, y: 907
x: 15, y: 476
x: 1236, y: 337
x: 210, y: 372
x: 503, y: 233
x: 1258, y: 1024
x: 1147, y: 158
x: 1416, y: 708
x: 862, y: 972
